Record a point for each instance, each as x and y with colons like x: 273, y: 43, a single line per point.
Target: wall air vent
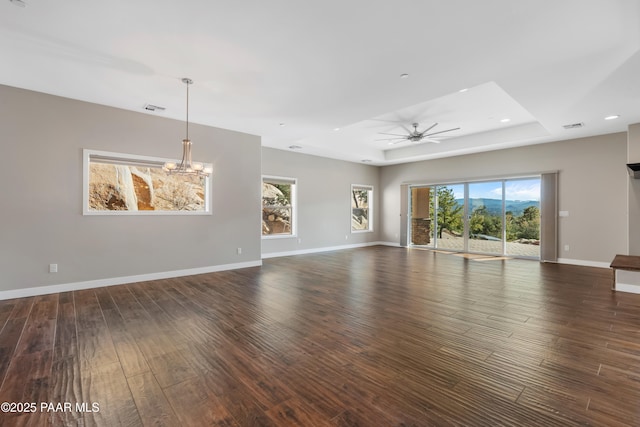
x: 151, y: 107
x: 574, y: 125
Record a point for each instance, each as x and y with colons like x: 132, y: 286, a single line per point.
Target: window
x: 126, y: 184
x: 278, y: 206
x: 361, y: 212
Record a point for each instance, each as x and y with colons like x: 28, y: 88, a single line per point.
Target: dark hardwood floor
x: 377, y: 336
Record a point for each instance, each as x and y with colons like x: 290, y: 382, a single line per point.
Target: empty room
x: 409, y: 213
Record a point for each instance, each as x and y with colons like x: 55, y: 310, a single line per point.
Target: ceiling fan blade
x: 392, y: 134
x: 429, y: 128
x: 405, y: 128
x: 442, y: 131
x: 389, y: 139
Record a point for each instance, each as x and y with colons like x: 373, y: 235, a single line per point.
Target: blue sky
x: 522, y: 189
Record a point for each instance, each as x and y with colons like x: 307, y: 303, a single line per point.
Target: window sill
x: 279, y: 236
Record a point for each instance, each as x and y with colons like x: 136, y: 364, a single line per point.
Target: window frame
x: 294, y: 205
x: 107, y: 157
x: 370, y: 207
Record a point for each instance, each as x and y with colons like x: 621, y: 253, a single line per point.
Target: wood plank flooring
x: 376, y: 336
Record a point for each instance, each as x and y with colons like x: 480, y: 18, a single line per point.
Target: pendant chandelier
x: 186, y: 165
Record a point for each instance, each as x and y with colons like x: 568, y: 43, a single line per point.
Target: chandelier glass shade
x: 186, y: 165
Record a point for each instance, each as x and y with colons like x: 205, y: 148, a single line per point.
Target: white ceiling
x: 318, y: 66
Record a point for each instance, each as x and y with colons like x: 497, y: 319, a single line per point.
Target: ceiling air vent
x: 574, y: 125
x: 151, y: 107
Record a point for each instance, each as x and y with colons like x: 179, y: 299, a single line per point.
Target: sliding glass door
x: 500, y: 217
x: 423, y: 216
x: 522, y: 214
x: 449, y: 224
x: 437, y: 216
x: 485, y: 217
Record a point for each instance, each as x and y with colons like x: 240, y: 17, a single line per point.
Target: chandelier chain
x: 188, y: 82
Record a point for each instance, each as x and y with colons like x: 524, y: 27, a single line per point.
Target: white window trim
x: 371, y: 208
x: 294, y: 207
x: 133, y: 159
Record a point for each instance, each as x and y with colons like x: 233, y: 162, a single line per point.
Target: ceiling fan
x: 415, y: 135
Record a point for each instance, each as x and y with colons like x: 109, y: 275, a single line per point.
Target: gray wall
x: 324, y: 200
x: 592, y: 186
x: 633, y: 156
x: 42, y: 138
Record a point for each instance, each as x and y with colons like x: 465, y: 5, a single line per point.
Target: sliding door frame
x: 548, y: 213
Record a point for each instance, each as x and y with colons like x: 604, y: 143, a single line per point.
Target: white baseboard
x: 624, y: 287
x: 583, y: 262
x: 66, y: 287
x: 324, y: 249
x: 628, y: 281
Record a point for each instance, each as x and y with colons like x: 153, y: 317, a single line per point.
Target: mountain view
x: 494, y: 206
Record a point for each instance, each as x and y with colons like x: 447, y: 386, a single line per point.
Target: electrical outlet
x: 566, y: 248
x: 346, y: 237
x: 299, y: 240
x: 239, y: 250
x: 53, y: 268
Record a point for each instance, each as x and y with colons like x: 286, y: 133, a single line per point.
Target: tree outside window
x: 278, y: 214
x: 361, y: 202
x: 449, y: 211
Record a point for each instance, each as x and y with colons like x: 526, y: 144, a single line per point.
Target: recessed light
x: 18, y: 3
x: 336, y: 129
x: 463, y: 90
x: 612, y: 117
x: 281, y: 124
x: 295, y: 147
x: 404, y: 76
x: 505, y: 120
x: 366, y: 160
